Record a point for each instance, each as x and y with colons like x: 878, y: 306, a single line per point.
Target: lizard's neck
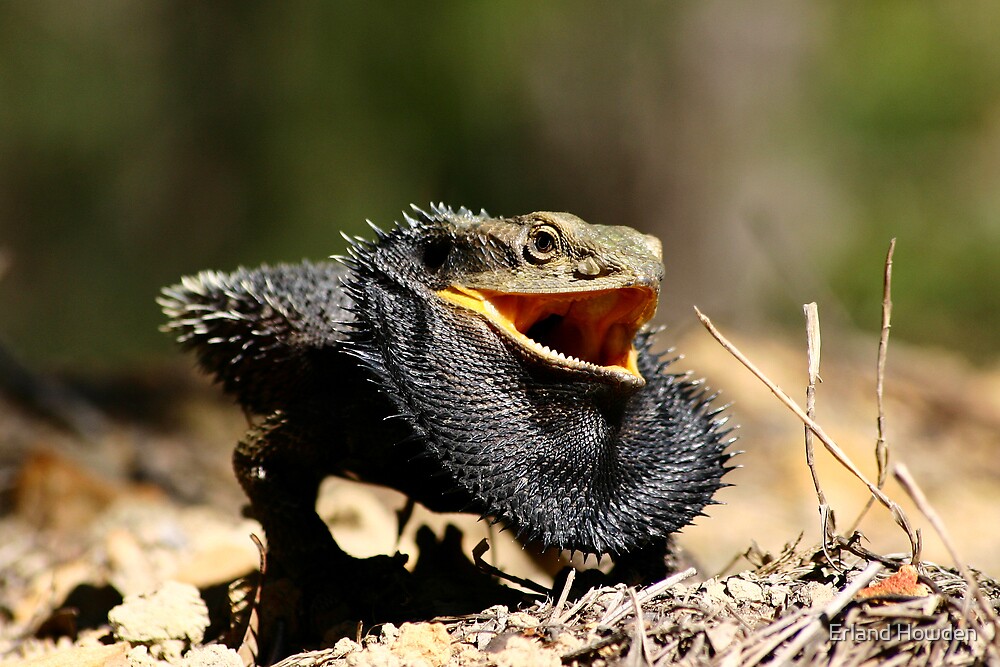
x: 568, y: 463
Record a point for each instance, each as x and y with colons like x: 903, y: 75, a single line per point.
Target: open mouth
x: 584, y: 331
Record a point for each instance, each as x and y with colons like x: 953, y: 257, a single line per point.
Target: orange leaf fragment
x: 903, y: 583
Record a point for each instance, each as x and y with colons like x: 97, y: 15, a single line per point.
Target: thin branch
x: 642, y: 652
x: 881, y: 448
x: 813, y: 354
x: 477, y: 559
x: 894, y: 509
x: 902, y: 475
x: 557, y: 610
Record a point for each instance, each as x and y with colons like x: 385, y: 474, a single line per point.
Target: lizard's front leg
x: 310, y: 584
x: 276, y: 469
x: 280, y: 470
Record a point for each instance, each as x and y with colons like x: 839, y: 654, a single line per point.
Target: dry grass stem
x: 619, y: 609
x: 881, y: 447
x: 813, y: 355
x: 557, y: 610
x: 818, y: 622
x: 615, y: 610
x: 639, y: 654
x: 894, y: 509
x: 902, y: 475
x: 583, y: 602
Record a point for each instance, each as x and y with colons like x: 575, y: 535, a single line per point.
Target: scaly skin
x: 429, y: 361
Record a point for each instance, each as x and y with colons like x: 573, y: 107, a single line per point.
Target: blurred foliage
x: 914, y: 102
x: 775, y: 147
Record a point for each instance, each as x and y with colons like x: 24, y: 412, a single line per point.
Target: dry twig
x: 902, y: 475
x: 617, y: 611
x: 894, y: 509
x: 557, y: 610
x: 639, y: 653
x: 881, y: 448
x: 813, y: 354
x: 819, y: 621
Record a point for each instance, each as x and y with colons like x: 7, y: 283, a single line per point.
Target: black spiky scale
x: 565, y: 461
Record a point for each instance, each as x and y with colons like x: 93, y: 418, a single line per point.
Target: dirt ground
x: 120, y: 529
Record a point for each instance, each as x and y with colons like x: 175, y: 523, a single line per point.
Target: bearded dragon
x: 500, y: 366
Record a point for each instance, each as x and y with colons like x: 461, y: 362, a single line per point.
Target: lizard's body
x: 477, y: 364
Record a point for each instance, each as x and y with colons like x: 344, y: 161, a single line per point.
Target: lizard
x: 495, y: 365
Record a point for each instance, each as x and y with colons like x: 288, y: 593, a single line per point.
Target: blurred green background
x: 775, y: 147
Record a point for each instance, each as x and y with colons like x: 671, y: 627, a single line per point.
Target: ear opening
x: 436, y: 253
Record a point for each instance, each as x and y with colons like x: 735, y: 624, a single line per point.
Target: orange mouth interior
x: 577, y: 329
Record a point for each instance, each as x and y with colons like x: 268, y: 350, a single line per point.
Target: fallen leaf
x: 903, y: 583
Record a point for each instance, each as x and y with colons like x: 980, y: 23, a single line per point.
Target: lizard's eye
x: 543, y: 243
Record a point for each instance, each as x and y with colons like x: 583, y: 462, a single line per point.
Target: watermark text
x: 901, y: 632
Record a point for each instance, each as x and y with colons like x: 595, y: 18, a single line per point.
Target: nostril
x: 589, y: 267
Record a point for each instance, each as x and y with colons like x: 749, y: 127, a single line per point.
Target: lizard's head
x: 566, y: 293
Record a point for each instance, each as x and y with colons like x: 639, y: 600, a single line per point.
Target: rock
x: 215, y: 655
x: 815, y: 594
x: 777, y: 596
x: 523, y: 652
x: 375, y: 656
x: 388, y: 634
x: 344, y: 647
x: 519, y: 619
x: 716, y: 590
x: 743, y: 590
x: 566, y: 642
x: 167, y: 652
x: 429, y: 642
x: 170, y: 618
x: 78, y: 656
x: 138, y: 656
x: 721, y: 635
